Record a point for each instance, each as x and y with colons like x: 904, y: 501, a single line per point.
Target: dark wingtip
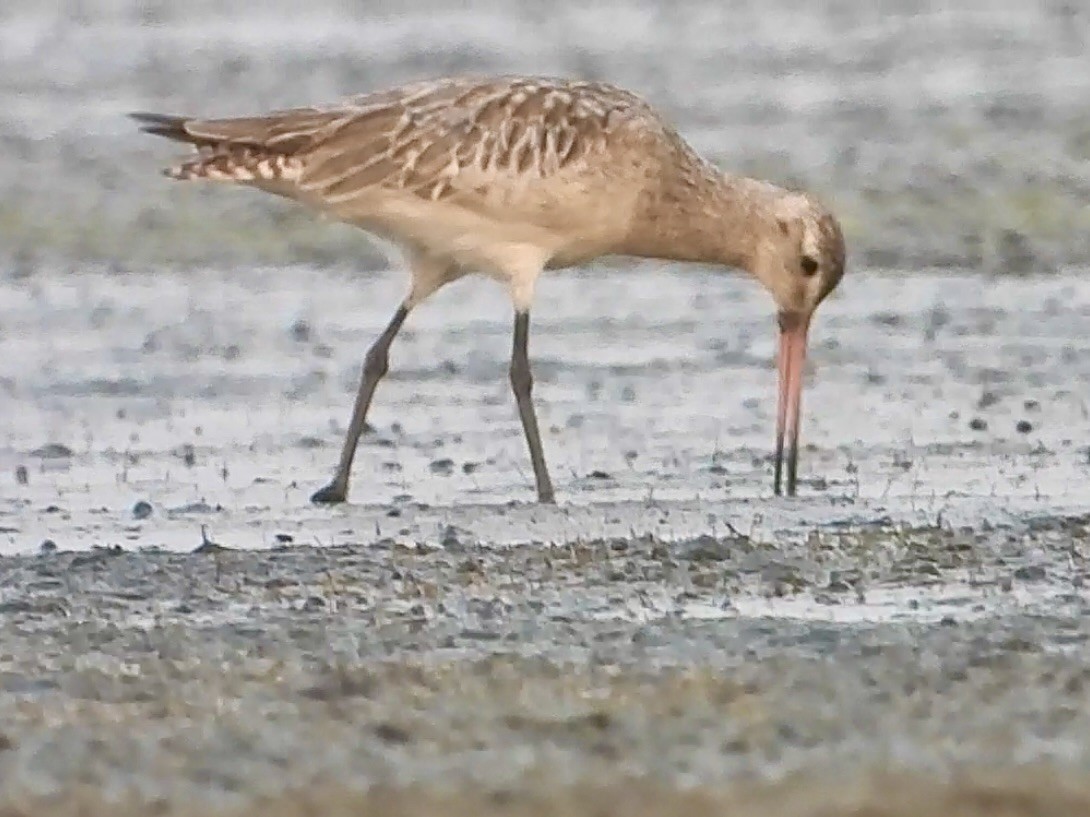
x: 158, y: 124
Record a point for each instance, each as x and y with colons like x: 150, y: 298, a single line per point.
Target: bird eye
x: 809, y: 265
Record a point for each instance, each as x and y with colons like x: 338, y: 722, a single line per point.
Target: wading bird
x: 514, y: 175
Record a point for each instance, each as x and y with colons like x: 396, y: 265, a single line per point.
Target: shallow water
x: 220, y: 397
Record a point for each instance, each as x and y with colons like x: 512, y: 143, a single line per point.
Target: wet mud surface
x: 179, y: 623
x: 181, y: 630
x: 143, y: 408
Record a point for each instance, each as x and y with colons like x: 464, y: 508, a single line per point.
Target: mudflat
x: 181, y: 632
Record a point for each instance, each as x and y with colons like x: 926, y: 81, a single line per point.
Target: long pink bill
x: 791, y: 361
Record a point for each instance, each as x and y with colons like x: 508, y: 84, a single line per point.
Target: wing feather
x: 477, y: 143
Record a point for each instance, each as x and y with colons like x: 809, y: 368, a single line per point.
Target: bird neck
x: 703, y: 216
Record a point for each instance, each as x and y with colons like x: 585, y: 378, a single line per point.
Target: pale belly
x: 499, y: 248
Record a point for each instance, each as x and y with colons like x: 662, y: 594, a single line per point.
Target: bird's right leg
x: 522, y: 379
x: 522, y: 383
x: 428, y: 274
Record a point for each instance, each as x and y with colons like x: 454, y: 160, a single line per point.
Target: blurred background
x: 946, y: 134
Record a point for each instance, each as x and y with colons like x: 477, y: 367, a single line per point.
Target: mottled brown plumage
x: 509, y: 176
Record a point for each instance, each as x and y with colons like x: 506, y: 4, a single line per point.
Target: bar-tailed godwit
x: 510, y: 176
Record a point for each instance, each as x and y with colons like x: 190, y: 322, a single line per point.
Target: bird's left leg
x: 428, y: 274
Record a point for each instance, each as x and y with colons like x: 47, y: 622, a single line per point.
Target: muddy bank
x: 1027, y: 793
x: 218, y: 678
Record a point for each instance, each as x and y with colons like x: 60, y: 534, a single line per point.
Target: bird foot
x: 331, y: 494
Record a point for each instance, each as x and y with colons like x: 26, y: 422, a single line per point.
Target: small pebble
x: 390, y: 733
x: 444, y: 466
x: 1031, y: 573
x: 300, y: 331
x: 886, y: 319
x: 52, y: 451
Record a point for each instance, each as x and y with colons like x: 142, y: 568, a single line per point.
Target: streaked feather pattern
x: 436, y: 139
x: 563, y: 162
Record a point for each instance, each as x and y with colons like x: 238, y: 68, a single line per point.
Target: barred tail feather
x: 236, y: 157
